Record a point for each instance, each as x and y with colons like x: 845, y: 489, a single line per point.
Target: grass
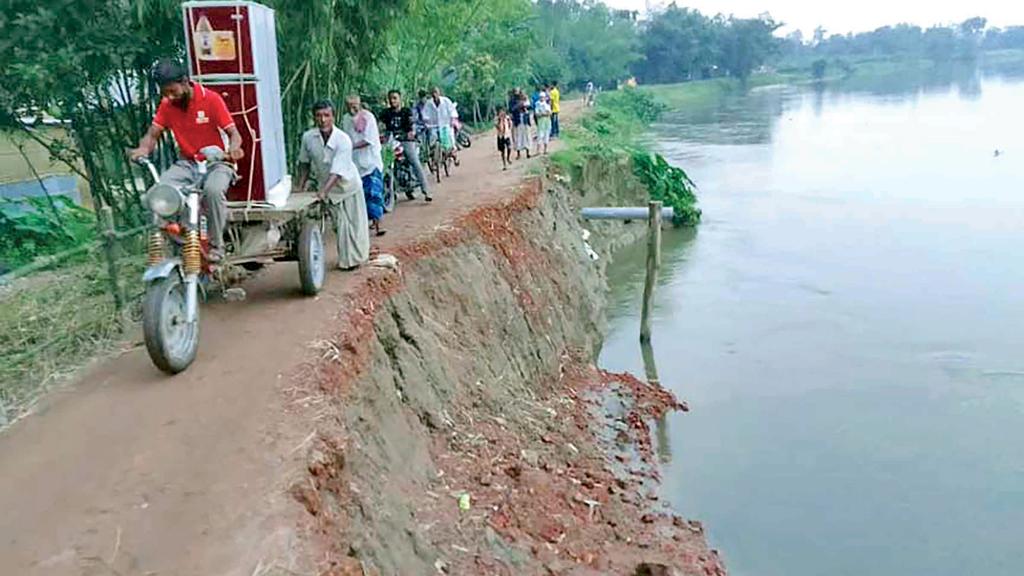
x: 706, y: 92
x: 53, y: 322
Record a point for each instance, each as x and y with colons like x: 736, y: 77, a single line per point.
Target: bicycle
x: 440, y: 156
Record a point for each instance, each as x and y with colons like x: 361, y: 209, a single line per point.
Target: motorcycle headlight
x: 164, y: 200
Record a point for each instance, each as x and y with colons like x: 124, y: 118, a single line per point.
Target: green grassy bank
x: 609, y: 134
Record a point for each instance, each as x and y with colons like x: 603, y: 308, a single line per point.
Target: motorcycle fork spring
x: 191, y: 253
x: 155, y: 248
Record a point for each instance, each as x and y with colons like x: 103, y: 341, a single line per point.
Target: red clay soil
x: 492, y: 223
x: 558, y: 495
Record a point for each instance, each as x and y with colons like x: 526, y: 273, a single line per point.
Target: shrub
x: 35, y: 227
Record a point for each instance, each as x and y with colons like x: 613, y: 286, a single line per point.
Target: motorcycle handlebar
x: 146, y: 163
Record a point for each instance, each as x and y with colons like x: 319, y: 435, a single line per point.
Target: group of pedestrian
x: 347, y: 160
x: 515, y: 122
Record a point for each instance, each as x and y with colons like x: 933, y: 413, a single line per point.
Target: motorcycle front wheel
x: 464, y: 140
x: 172, y: 342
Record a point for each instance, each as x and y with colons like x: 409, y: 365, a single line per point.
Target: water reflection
x: 661, y: 425
x: 819, y: 98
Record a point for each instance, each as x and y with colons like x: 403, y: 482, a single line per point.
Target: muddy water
x: 848, y: 328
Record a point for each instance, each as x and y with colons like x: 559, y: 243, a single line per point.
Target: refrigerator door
x: 242, y: 99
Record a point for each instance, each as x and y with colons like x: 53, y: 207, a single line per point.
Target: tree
x: 327, y: 48
x: 597, y: 44
x: 1003, y: 39
x: 64, y: 58
x: 940, y: 43
x: 970, y: 37
x: 678, y: 44
x: 747, y: 44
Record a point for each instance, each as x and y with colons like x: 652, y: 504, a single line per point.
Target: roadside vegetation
x: 610, y: 134
x: 53, y: 322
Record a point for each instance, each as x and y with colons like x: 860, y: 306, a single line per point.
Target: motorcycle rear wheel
x: 312, y: 260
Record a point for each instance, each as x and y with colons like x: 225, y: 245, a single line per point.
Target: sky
x: 853, y: 16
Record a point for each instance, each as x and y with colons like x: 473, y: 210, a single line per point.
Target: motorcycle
x: 399, y: 177
x: 462, y: 135
x: 178, y: 265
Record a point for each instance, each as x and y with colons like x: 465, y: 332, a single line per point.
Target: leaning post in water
x: 653, y: 263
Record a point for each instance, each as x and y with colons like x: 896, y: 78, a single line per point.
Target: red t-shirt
x: 200, y: 125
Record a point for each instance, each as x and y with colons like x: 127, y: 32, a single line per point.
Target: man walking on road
x: 326, y: 152
x: 361, y: 127
x: 198, y: 118
x: 398, y: 122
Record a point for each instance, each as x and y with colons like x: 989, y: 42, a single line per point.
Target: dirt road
x: 133, y: 472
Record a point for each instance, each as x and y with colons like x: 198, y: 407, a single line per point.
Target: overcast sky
x: 853, y: 15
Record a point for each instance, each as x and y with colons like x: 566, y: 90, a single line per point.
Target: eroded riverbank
x: 463, y: 429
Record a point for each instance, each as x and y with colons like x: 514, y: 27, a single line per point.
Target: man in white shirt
x: 361, y: 126
x: 326, y: 153
x: 438, y: 114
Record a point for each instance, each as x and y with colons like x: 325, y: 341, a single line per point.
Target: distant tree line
x: 961, y: 41
x: 678, y: 44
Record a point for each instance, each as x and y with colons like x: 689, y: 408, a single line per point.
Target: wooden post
x: 653, y: 263
x: 650, y: 368
x: 110, y: 252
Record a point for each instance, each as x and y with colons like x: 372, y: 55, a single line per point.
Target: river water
x: 847, y: 326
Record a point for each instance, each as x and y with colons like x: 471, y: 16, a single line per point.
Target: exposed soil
x: 334, y: 435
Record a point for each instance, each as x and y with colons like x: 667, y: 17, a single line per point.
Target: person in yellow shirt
x: 556, y: 98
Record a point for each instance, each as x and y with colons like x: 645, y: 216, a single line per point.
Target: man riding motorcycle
x: 198, y: 118
x: 399, y: 124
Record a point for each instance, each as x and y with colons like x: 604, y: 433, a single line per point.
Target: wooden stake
x: 653, y: 263
x: 110, y: 252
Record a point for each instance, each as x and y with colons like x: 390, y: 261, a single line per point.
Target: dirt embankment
x: 461, y: 428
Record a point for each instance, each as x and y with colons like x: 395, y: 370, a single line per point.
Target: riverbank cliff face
x: 461, y: 426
